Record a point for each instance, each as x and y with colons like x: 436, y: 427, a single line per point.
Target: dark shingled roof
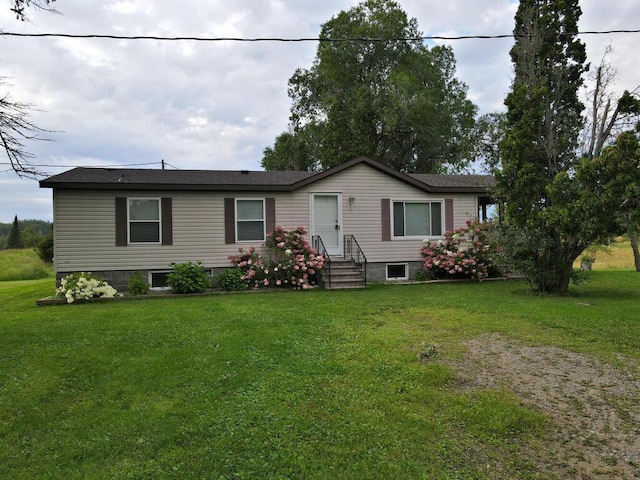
x: 460, y: 181
x: 127, y: 178
x: 239, y: 180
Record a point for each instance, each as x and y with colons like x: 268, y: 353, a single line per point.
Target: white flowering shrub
x: 82, y: 286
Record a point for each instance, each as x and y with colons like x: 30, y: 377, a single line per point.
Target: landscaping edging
x: 152, y: 296
x: 48, y: 301
x: 63, y: 301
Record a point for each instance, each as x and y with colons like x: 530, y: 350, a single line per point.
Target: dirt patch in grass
x: 594, y: 409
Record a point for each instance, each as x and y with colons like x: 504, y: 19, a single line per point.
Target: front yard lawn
x: 309, y: 385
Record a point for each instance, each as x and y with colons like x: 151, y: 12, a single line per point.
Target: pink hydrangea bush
x: 254, y: 267
x: 464, y: 253
x: 291, y: 262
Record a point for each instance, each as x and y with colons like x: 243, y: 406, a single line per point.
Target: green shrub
x: 45, y: 248
x: 231, y: 279
x: 188, y: 277
x: 137, y: 284
x: 424, y: 275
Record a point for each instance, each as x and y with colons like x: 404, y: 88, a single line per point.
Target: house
x: 113, y: 222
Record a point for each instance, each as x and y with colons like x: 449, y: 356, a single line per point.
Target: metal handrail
x: 318, y: 246
x: 352, y: 250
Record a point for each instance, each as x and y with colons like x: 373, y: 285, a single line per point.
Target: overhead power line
x: 87, y: 166
x: 306, y: 39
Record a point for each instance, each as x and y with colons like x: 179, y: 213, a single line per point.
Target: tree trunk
x: 563, y: 278
x: 636, y: 252
x: 556, y: 282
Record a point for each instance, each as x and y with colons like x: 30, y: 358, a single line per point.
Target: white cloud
x: 124, y: 8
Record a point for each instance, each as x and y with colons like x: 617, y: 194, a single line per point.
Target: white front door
x: 327, y: 220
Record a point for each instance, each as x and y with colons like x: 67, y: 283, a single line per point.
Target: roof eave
x: 163, y: 186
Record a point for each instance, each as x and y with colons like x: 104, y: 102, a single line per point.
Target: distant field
x: 617, y: 256
x: 22, y: 265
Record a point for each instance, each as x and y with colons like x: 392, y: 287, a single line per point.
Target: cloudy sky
x: 217, y: 105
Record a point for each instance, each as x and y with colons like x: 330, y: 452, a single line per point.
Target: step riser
x: 343, y: 274
x: 345, y: 284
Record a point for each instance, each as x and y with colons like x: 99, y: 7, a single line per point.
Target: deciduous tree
x: 489, y: 132
x: 608, y: 115
x: 376, y: 89
x: 290, y: 152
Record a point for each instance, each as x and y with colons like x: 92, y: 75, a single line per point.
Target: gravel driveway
x: 594, y: 408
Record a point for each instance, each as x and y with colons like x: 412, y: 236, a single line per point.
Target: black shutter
x: 229, y: 221
x: 448, y: 214
x: 270, y: 209
x: 386, y: 219
x: 167, y: 221
x: 121, y: 222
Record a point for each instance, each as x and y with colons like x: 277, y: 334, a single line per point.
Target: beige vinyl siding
x: 85, y: 232
x: 85, y: 222
x: 363, y: 220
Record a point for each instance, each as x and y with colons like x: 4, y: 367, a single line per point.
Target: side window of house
x: 144, y: 220
x: 250, y: 220
x: 416, y: 219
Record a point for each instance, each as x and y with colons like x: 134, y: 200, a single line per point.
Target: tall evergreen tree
x: 14, y: 240
x: 538, y: 151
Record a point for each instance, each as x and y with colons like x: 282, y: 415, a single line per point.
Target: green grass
x: 22, y: 265
x: 313, y: 385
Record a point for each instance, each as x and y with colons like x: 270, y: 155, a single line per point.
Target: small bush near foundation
x: 188, y: 277
x: 137, y: 284
x: 231, y: 279
x: 424, y: 275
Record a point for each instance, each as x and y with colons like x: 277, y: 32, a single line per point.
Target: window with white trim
x: 144, y: 220
x: 416, y: 219
x: 397, y: 271
x: 158, y: 279
x: 250, y: 220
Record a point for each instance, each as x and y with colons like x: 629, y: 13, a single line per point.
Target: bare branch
x: 608, y: 115
x: 16, y: 128
x: 18, y: 7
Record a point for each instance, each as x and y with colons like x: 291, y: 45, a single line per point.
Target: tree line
x: 24, y: 233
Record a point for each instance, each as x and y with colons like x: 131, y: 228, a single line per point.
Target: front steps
x: 343, y: 273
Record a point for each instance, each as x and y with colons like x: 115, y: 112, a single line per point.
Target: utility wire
x: 172, y: 166
x: 308, y: 39
x: 85, y: 166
